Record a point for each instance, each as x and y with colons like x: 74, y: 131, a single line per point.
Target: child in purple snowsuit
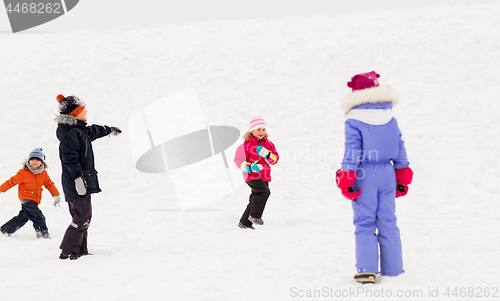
x: 374, y: 172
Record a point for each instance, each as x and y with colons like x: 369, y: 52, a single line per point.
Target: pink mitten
x: 404, y: 176
x: 345, y: 180
x: 350, y: 194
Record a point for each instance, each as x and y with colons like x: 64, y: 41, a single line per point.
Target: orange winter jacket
x: 30, y: 185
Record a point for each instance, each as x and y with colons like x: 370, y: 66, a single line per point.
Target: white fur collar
x: 66, y: 119
x: 370, y: 95
x: 371, y: 116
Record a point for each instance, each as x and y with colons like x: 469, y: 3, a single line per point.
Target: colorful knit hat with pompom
x: 37, y: 153
x: 257, y: 122
x: 70, y: 105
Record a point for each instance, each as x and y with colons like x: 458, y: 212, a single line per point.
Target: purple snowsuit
x: 374, y: 148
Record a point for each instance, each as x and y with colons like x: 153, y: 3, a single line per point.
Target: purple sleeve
x: 353, y: 154
x: 402, y: 159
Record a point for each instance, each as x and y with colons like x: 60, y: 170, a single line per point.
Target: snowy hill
x: 443, y: 61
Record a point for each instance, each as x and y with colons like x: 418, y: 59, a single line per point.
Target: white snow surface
x: 443, y: 61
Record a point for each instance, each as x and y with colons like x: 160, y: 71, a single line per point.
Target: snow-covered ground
x: 445, y: 63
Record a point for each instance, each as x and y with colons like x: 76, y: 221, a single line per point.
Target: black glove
x: 113, y: 130
x: 80, y: 183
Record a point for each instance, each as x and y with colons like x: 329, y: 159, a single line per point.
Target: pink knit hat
x: 364, y: 81
x: 257, y: 122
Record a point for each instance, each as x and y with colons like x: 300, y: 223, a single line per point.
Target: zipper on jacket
x: 37, y: 178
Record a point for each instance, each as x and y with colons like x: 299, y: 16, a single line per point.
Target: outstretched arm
x: 98, y: 131
x: 13, y: 181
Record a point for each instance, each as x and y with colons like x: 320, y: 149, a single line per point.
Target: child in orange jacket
x: 30, y: 179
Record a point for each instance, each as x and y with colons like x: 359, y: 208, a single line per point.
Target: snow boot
x: 245, y: 227
x: 40, y: 234
x: 365, y: 278
x: 66, y: 255
x: 257, y: 221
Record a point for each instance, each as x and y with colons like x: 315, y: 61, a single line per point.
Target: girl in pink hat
x: 375, y: 171
x: 255, y: 157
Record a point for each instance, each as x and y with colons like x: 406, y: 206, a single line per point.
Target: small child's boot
x: 365, y: 278
x: 40, y: 234
x: 257, y: 221
x: 245, y: 227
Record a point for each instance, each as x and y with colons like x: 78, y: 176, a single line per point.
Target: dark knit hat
x: 37, y: 154
x: 70, y: 105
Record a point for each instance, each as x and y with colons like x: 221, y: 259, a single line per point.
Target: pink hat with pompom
x: 257, y: 122
x: 364, y: 81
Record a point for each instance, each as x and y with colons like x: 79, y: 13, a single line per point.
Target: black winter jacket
x: 76, y: 154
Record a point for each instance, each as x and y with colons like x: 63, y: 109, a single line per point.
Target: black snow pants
x: 29, y: 211
x: 75, y: 238
x: 257, y: 201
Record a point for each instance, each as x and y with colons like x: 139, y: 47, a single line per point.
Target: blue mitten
x: 262, y: 151
x: 251, y: 167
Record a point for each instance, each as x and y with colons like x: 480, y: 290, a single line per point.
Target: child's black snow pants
x: 29, y: 211
x: 75, y: 238
x: 257, y: 201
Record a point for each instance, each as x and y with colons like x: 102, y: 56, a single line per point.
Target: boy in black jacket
x: 79, y: 177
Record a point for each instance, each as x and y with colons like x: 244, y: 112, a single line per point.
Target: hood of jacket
x: 381, y: 94
x: 66, y: 119
x: 65, y: 123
